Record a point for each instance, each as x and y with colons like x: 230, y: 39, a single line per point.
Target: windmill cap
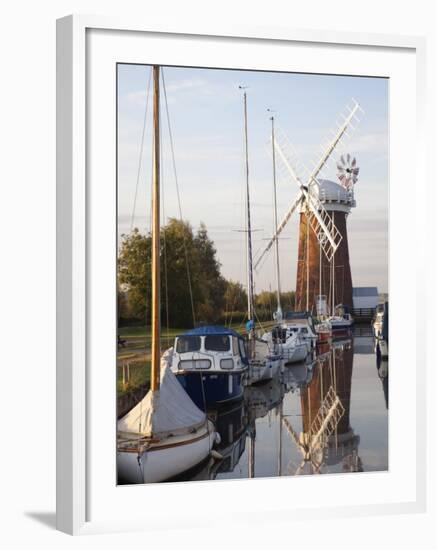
x: 330, y: 191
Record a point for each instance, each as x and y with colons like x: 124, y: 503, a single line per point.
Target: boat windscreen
x: 217, y: 342
x: 188, y: 343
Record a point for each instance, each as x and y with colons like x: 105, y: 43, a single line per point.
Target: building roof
x: 361, y: 291
x: 210, y: 330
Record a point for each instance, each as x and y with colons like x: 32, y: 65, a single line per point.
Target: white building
x: 365, y: 297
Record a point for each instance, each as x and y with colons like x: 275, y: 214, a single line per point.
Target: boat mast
x: 333, y: 274
x: 281, y: 415
x: 319, y: 313
x: 156, y: 321
x: 249, y: 233
x: 251, y: 458
x: 275, y: 207
x: 308, y: 262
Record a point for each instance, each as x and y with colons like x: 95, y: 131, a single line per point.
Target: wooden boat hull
x: 165, y: 459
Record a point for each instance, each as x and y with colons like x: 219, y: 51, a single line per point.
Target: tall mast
x: 333, y: 274
x: 156, y: 321
x: 251, y: 458
x: 275, y: 209
x: 248, y: 230
x: 308, y: 262
x: 319, y: 313
x: 281, y: 414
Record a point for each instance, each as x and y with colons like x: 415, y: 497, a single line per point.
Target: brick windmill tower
x: 319, y: 274
x: 323, y: 267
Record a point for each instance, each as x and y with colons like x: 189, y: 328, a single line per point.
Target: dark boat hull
x: 212, y: 389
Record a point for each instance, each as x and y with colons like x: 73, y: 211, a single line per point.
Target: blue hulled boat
x: 210, y: 363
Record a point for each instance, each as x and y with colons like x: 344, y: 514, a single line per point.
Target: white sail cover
x: 167, y: 411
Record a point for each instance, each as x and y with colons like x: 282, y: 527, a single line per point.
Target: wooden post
x: 156, y: 321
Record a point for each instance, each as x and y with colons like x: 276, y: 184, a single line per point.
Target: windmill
x: 313, y: 443
x: 317, y: 200
x: 327, y: 440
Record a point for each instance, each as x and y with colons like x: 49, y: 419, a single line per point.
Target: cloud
x: 186, y: 84
x: 138, y: 97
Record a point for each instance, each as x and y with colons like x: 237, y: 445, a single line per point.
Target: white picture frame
x: 76, y: 222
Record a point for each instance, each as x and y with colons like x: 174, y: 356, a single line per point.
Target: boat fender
x: 217, y: 439
x: 216, y: 455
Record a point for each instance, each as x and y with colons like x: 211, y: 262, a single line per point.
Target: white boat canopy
x: 169, y: 411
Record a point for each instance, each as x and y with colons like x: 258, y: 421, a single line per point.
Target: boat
x: 263, y: 362
x: 301, y: 324
x: 297, y: 377
x: 377, y: 321
x: 382, y: 335
x: 288, y: 343
x: 341, y: 320
x: 261, y: 399
x: 211, y: 364
x: 231, y: 425
x: 324, y: 332
x: 165, y: 434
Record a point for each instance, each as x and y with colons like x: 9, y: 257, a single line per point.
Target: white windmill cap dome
x: 330, y: 191
x: 333, y: 195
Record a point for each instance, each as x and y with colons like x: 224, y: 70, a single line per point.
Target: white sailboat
x: 288, y: 343
x: 165, y: 434
x: 264, y: 364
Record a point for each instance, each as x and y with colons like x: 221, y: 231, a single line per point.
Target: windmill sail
x: 329, y: 237
x: 296, y: 204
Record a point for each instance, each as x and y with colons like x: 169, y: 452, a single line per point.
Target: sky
x: 206, y: 118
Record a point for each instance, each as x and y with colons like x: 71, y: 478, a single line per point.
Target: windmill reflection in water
x: 326, y: 438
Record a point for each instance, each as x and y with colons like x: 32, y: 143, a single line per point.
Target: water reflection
x: 327, y: 437
x: 322, y: 416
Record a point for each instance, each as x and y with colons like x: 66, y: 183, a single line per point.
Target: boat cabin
x: 284, y: 332
x: 210, y: 348
x: 300, y: 320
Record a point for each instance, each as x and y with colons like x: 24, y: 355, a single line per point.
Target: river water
x: 328, y: 415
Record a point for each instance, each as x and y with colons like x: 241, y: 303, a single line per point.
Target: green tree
x: 235, y: 297
x: 212, y: 284
x: 134, y: 272
x: 179, y: 248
